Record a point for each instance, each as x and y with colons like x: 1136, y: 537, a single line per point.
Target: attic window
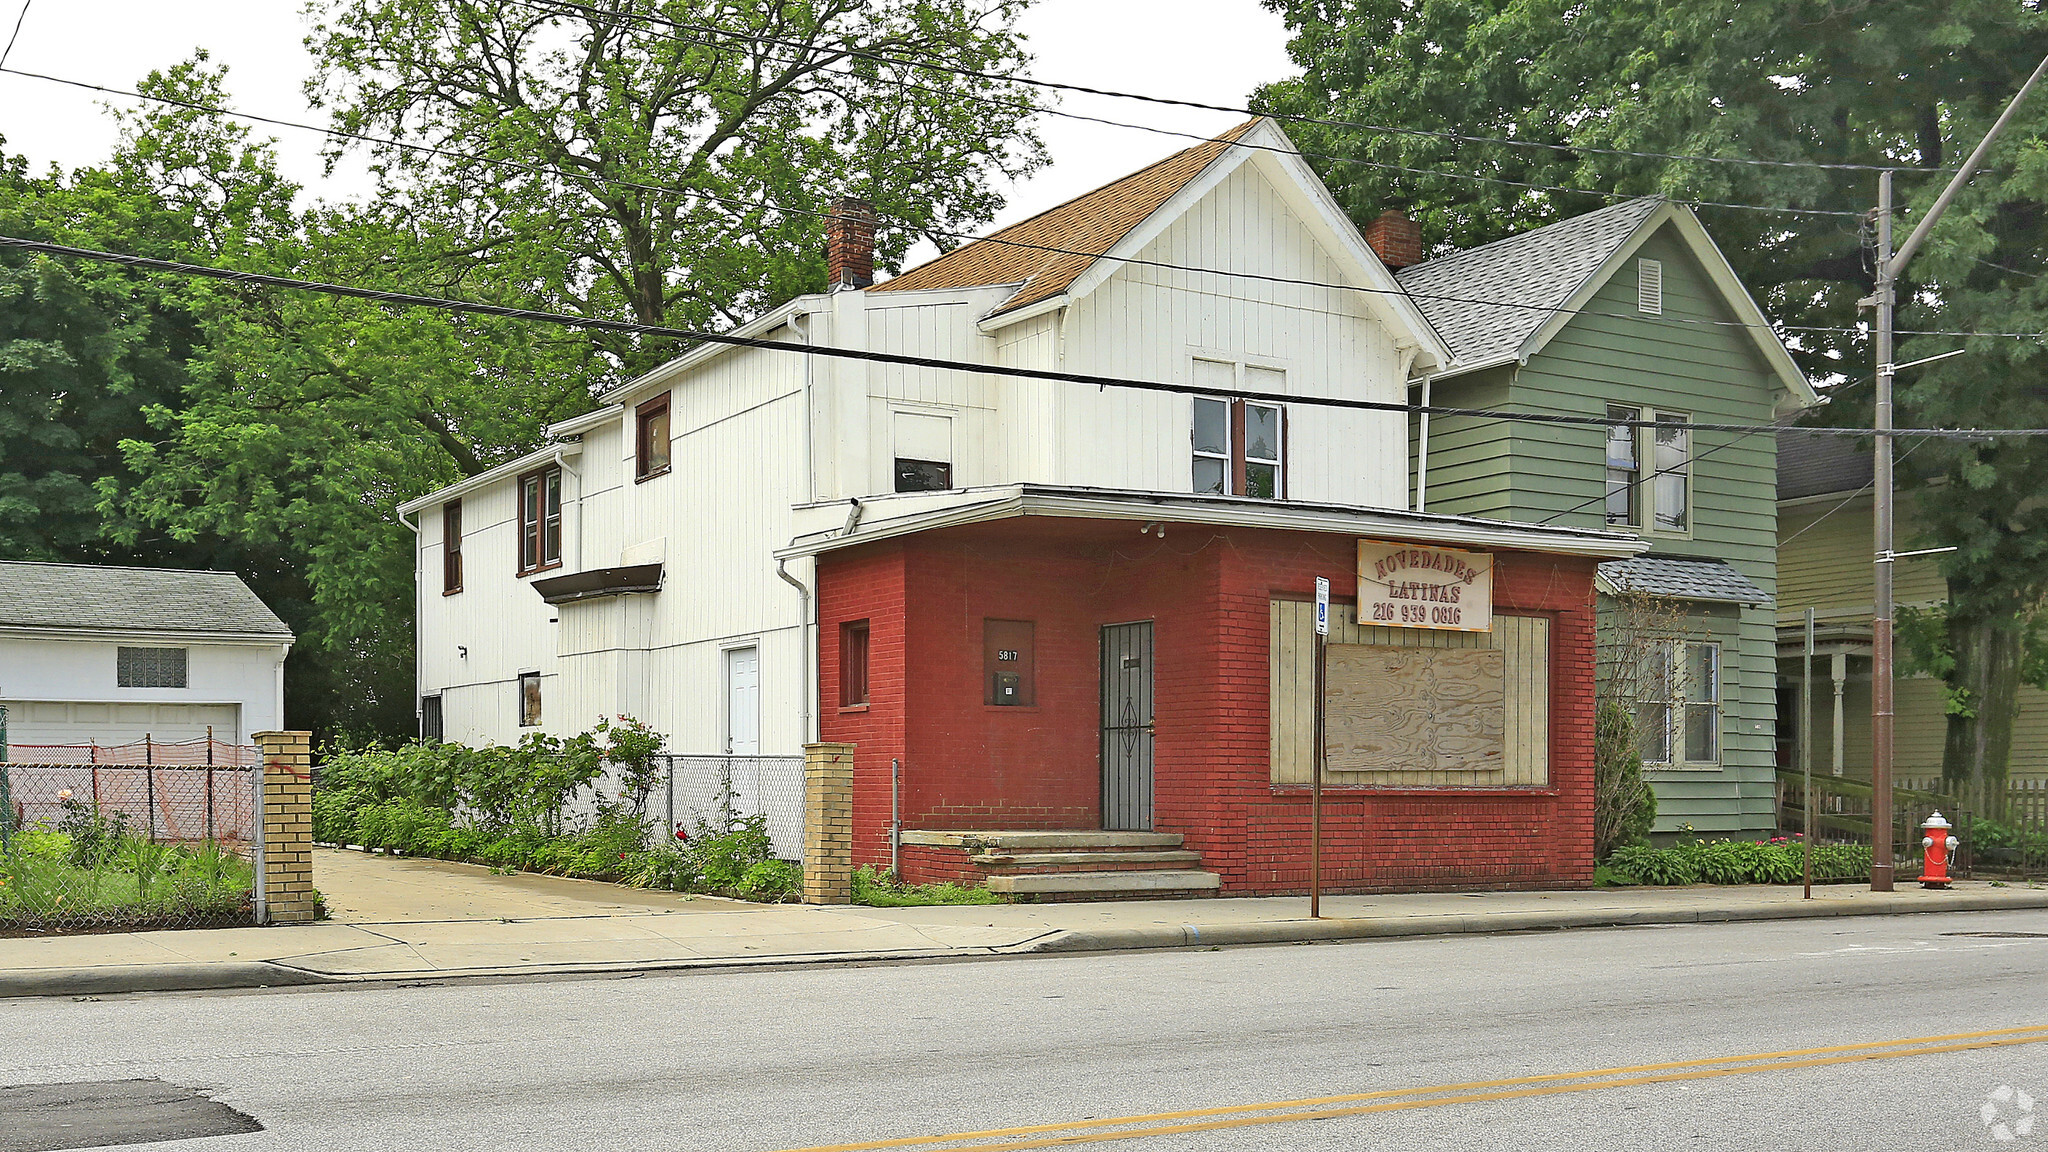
x: 1650, y: 287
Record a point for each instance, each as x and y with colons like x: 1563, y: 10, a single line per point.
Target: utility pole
x: 1889, y: 267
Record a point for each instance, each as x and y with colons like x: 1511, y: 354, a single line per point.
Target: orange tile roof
x: 1091, y: 223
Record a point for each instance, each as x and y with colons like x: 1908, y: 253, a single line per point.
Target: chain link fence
x: 715, y: 791
x: 88, y: 846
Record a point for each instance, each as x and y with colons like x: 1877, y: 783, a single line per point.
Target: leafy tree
x: 1911, y: 83
x: 635, y: 164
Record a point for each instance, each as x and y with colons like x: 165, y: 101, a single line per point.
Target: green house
x: 1632, y: 314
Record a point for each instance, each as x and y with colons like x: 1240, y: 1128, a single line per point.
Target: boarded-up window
x: 853, y: 664
x: 1412, y: 707
x: 924, y: 452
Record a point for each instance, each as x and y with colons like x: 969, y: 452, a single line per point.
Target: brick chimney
x: 849, y: 244
x: 1396, y: 238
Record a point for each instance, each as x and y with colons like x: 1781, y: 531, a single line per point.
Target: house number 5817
x: 1006, y: 653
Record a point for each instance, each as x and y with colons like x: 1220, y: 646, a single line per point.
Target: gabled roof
x: 87, y: 597
x: 1539, y: 268
x: 1711, y: 581
x: 1543, y: 277
x: 1089, y: 223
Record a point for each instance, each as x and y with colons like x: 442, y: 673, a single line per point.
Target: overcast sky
x: 1214, y: 51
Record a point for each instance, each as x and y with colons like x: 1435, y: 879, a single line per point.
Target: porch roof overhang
x: 838, y: 524
x: 599, y: 582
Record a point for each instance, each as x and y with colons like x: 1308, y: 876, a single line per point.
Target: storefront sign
x: 1412, y: 586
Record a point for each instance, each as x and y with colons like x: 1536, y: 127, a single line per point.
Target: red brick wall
x: 969, y: 765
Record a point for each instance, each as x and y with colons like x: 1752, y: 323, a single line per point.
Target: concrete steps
x: 1065, y: 865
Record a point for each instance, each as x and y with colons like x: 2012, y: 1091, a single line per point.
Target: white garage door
x: 106, y: 724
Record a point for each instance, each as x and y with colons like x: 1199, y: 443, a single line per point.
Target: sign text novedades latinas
x: 1410, y: 586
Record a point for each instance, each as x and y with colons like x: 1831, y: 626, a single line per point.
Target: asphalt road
x: 1901, y: 1030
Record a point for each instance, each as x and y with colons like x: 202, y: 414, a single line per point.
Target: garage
x: 32, y: 722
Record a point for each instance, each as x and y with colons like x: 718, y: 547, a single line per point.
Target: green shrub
x: 1624, y: 804
x: 667, y: 867
x: 878, y: 889
x: 1660, y: 866
x: 772, y: 882
x: 723, y: 858
x: 1778, y: 861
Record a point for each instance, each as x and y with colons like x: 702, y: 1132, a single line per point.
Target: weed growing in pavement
x: 879, y: 889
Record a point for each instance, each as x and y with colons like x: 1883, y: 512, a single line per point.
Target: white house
x: 108, y: 656
x: 694, y: 476
x: 973, y: 576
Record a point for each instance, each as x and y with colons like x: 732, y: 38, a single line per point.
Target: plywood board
x: 1406, y: 709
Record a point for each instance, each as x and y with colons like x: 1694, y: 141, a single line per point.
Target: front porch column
x: 1838, y: 669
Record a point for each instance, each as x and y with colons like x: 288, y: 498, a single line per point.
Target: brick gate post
x: 828, y: 823
x: 286, y: 885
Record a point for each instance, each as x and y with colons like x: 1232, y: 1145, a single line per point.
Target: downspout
x: 562, y: 462
x: 810, y: 642
x: 419, y: 609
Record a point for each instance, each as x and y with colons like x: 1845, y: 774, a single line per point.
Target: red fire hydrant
x: 1937, y: 848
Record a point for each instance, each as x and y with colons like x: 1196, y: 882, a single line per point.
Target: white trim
x: 990, y: 325
x: 1718, y: 270
x: 976, y: 505
x: 243, y: 639
x: 766, y: 322
x: 510, y: 468
x: 577, y: 425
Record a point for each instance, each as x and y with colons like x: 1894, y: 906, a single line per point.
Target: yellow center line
x: 1399, y: 1099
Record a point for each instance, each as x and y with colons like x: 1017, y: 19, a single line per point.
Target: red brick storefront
x: 967, y: 764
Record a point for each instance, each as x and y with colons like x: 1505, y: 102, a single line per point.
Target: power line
x: 565, y: 6
x: 469, y: 307
x: 9, y: 50
x: 645, y: 18
x: 1050, y: 249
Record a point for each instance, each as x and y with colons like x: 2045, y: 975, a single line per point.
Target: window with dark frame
x: 652, y: 439
x: 853, y: 664
x: 529, y: 699
x: 150, y: 668
x: 430, y: 719
x: 1239, y: 448
x: 1624, y: 466
x: 923, y: 475
x: 540, y: 520
x: 1009, y: 658
x: 451, y: 547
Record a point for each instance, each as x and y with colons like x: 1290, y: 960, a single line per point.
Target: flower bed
x: 94, y: 876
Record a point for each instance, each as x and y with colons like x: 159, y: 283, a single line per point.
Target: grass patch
x: 877, y: 889
x: 48, y: 882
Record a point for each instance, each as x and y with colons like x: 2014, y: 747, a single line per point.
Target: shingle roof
x: 86, y: 596
x: 1090, y: 223
x: 1541, y: 267
x: 1709, y: 580
x: 1810, y: 465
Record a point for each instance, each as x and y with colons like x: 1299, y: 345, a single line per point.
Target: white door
x: 743, y: 701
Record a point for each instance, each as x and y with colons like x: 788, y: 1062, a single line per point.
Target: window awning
x: 1709, y: 581
x: 599, y: 582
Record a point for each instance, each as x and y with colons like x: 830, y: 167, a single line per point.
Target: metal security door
x: 1127, y: 727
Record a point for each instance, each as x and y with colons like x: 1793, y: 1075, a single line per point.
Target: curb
x: 1309, y: 931
x: 112, y: 979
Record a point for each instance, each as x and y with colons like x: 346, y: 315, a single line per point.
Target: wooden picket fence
x: 1842, y: 814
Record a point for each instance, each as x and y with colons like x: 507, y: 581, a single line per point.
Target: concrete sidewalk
x: 413, y: 920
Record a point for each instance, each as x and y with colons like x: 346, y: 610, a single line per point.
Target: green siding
x: 1678, y: 362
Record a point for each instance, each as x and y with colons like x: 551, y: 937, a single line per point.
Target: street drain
x: 2002, y: 935
x: 47, y: 1117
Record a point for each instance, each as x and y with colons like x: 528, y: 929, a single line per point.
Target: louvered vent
x: 1650, y: 287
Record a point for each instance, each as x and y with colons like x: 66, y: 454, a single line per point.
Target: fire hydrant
x: 1938, y: 848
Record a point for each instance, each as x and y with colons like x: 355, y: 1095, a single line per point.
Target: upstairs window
x: 1671, y: 455
x: 651, y: 439
x: 1678, y: 715
x: 853, y: 664
x: 1624, y: 471
x: 1239, y: 448
x: 150, y: 668
x: 540, y: 520
x: 923, y: 452
x: 451, y: 548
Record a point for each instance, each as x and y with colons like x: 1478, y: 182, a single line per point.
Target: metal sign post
x: 1315, y: 788
x: 1806, y: 754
